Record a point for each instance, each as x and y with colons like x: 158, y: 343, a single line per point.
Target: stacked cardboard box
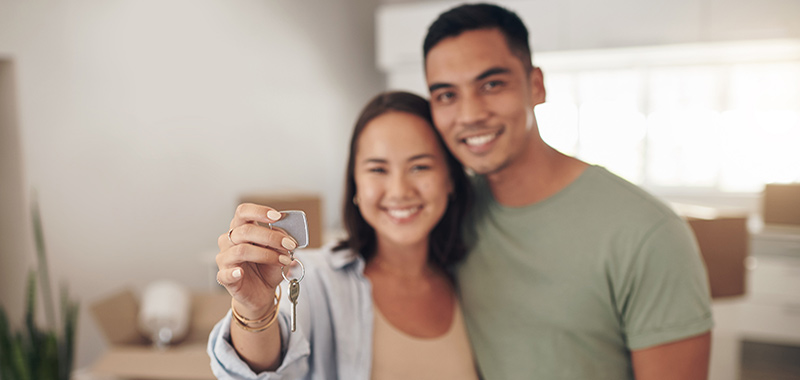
x: 724, y: 245
x: 781, y: 204
x: 724, y: 241
x: 132, y: 356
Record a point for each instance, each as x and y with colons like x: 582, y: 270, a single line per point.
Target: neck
x: 400, y: 261
x: 536, y: 174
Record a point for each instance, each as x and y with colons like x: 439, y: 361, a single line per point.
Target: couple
x: 570, y: 273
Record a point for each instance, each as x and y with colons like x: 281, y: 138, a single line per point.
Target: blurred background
x: 141, y: 124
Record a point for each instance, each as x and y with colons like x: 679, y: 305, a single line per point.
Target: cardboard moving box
x: 132, y: 356
x: 781, y: 204
x: 723, y: 244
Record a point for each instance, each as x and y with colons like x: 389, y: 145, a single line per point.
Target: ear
x: 538, y: 93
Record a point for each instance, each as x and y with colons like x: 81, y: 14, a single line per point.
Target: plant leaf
x: 6, y: 352
x: 44, y: 270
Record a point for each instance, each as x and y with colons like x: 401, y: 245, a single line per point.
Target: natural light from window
x: 720, y: 118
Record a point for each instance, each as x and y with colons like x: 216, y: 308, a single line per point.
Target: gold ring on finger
x: 229, y: 236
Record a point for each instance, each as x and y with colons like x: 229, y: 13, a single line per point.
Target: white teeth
x: 480, y: 140
x: 402, y: 214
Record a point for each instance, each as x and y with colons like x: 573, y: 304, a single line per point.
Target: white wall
x: 142, y: 121
x: 586, y: 25
x: 14, y: 220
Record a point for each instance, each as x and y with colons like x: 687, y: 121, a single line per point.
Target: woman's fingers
x: 229, y: 276
x: 257, y: 235
x: 250, y: 226
x: 241, y: 253
x: 251, y: 213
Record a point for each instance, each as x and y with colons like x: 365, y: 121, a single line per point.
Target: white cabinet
x: 770, y: 312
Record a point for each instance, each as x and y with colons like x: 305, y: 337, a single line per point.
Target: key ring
x: 302, y: 274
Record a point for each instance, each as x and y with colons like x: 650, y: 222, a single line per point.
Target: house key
x: 294, y: 290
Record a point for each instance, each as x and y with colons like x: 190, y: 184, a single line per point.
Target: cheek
x: 365, y: 190
x: 442, y: 118
x: 362, y: 188
x: 437, y: 188
x: 367, y: 194
x: 511, y: 106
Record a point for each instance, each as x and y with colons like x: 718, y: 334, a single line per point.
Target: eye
x: 445, y: 97
x: 420, y: 167
x: 492, y: 85
x: 376, y: 169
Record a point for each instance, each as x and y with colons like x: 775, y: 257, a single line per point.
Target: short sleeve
x: 666, y: 294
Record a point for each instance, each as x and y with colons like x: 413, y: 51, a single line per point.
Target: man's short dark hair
x: 468, y: 17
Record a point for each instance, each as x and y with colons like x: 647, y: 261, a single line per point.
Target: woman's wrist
x: 256, y: 312
x: 251, y: 313
x: 263, y: 320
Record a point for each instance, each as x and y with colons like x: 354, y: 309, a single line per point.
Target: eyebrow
x: 437, y: 86
x: 420, y: 156
x: 384, y: 161
x: 374, y: 161
x: 493, y: 71
x: 489, y: 72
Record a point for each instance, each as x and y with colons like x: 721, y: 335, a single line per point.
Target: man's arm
x: 685, y: 359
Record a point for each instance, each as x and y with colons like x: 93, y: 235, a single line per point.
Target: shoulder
x: 328, y: 267
x: 615, y: 196
x: 633, y: 221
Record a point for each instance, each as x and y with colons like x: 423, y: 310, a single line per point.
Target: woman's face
x: 402, y: 180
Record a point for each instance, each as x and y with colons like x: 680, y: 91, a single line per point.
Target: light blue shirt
x: 334, y: 325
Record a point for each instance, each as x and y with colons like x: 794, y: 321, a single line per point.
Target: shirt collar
x: 346, y: 257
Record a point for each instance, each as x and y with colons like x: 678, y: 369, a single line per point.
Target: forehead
x: 465, y: 56
x: 397, y: 135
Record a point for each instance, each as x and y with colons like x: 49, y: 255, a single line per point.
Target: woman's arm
x: 250, y: 261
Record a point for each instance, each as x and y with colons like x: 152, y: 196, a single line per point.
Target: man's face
x: 482, y: 99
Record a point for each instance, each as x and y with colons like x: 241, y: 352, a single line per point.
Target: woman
x: 379, y: 305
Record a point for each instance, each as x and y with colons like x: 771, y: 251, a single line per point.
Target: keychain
x: 294, y: 289
x: 295, y: 224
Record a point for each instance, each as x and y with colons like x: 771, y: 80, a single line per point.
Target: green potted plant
x: 34, y: 353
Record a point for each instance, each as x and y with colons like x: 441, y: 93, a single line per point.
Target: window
x: 715, y: 118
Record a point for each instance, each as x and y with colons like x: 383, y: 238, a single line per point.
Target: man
x: 575, y: 273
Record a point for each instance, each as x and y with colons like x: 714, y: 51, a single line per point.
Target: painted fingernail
x: 288, y: 243
x: 237, y: 273
x: 274, y: 215
x: 285, y: 260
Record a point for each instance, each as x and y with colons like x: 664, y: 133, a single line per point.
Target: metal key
x: 294, y: 292
x: 294, y: 288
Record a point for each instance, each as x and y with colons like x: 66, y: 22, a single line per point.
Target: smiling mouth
x: 403, y: 213
x: 475, y: 141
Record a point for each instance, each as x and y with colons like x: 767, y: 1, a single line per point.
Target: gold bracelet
x: 273, y: 315
x: 254, y: 323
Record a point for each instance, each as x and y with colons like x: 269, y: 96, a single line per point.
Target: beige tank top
x: 397, y: 355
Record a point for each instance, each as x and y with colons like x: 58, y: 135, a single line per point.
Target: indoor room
x: 130, y: 131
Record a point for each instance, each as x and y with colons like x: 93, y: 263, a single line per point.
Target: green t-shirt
x: 567, y: 287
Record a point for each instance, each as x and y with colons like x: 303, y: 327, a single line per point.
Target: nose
x: 472, y: 110
x: 399, y: 187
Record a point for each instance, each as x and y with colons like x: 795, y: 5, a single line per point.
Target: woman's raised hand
x: 251, y: 257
